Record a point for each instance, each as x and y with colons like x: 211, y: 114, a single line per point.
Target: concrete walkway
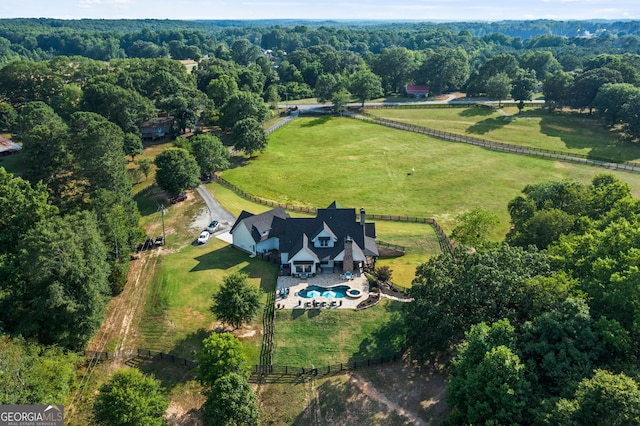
x: 294, y: 285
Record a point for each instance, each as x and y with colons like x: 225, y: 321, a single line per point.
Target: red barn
x: 417, y: 91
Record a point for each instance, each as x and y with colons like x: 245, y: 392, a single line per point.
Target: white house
x: 334, y: 241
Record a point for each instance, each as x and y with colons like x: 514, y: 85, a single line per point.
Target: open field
x: 331, y: 336
x: 177, y: 317
x: 313, y: 161
x: 535, y: 127
x: 396, y: 394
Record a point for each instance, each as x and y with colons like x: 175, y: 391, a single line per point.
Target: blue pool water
x: 313, y: 291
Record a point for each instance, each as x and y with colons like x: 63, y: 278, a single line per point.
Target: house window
x: 324, y: 241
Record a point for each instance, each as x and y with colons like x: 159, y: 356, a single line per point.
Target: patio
x: 293, y: 285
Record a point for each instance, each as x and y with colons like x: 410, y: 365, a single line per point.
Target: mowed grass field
x: 314, y: 161
x: 572, y: 132
x: 177, y: 314
x: 325, y: 337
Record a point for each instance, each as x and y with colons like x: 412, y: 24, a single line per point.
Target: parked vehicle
x: 178, y: 198
x: 204, y: 237
x: 213, y: 227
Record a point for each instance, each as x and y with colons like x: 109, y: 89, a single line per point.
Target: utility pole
x: 163, y: 235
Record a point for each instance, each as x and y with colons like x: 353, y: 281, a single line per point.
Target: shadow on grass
x: 387, y: 340
x: 477, y: 111
x: 222, y: 258
x: 318, y: 121
x: 488, y: 125
x: 297, y: 313
x: 149, y: 201
x: 339, y: 401
x: 580, y: 131
x: 230, y: 258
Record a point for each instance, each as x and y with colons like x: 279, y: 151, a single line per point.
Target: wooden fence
x: 446, y: 244
x: 501, y: 146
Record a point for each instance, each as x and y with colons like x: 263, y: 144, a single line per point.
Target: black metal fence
x: 283, y: 370
x: 142, y: 353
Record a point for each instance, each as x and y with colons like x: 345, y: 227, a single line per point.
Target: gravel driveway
x: 216, y: 212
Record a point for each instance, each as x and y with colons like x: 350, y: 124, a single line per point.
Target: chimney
x: 347, y: 262
x: 362, y: 216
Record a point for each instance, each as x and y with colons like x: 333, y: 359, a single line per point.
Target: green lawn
x: 314, y: 161
x: 328, y: 336
x: 534, y: 127
x: 177, y: 316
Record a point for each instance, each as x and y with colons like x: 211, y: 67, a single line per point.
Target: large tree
x: 46, y: 154
x: 242, y: 105
x: 453, y: 292
x: 605, y: 399
x: 237, y: 302
x: 209, y: 152
x: 487, y: 384
x: 584, y: 89
x: 556, y: 89
x: 249, y: 136
x: 177, y: 170
x: 365, y: 85
x: 394, y: 66
x: 231, y: 402
x: 221, y: 354
x: 125, y: 107
x: 498, y: 87
x: 97, y: 146
x: 130, y: 398
x: 473, y: 228
x: 522, y: 86
x: 132, y: 145
x: 445, y: 69
x: 64, y: 289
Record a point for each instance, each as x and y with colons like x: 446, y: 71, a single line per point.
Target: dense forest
x: 553, y: 309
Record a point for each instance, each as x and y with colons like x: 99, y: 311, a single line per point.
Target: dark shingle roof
x: 260, y: 225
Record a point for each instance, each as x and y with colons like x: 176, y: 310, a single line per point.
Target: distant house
x: 334, y: 241
x: 156, y: 128
x: 417, y: 90
x: 7, y: 146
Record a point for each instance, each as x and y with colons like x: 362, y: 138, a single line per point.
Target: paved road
x: 216, y: 211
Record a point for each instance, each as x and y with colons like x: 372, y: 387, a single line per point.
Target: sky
x: 425, y: 10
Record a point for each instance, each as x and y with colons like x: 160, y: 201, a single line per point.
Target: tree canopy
x: 130, y: 398
x: 237, y: 302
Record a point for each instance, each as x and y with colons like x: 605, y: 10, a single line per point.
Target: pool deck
x: 294, y: 285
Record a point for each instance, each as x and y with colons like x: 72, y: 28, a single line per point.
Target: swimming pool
x: 314, y: 291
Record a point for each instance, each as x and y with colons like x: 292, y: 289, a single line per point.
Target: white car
x: 203, y: 238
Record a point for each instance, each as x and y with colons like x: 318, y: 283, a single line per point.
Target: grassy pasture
x: 324, y: 336
x: 534, y: 127
x: 177, y: 316
x: 313, y: 161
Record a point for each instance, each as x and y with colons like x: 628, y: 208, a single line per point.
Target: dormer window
x: 323, y: 241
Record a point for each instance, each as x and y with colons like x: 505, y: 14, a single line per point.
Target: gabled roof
x: 260, y: 226
x: 339, y: 222
x: 414, y: 89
